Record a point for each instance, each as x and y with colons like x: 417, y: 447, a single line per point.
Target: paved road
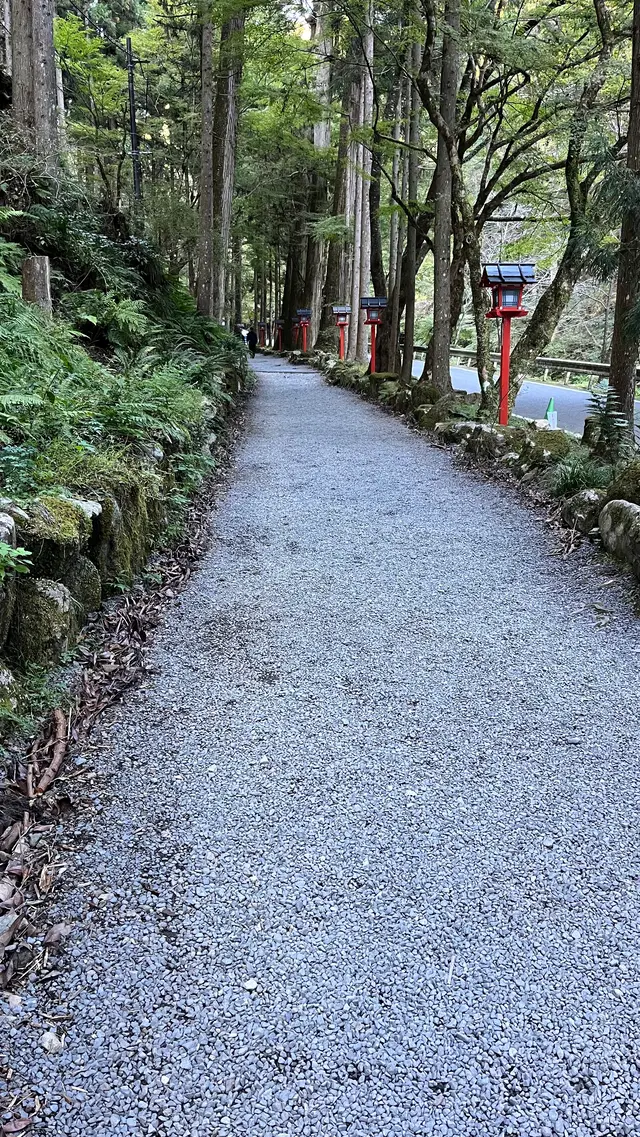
x: 533, y: 398
x: 369, y: 861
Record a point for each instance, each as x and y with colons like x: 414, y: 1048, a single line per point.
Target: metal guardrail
x: 547, y: 363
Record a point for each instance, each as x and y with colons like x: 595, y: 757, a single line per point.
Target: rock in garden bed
x: 620, y: 531
x: 582, y: 511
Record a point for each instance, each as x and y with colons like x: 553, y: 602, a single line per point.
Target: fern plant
x: 122, y: 322
x: 612, y: 435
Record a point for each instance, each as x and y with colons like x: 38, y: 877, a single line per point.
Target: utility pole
x: 135, y: 152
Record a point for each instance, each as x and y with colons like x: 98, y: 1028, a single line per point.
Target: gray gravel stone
x: 353, y: 775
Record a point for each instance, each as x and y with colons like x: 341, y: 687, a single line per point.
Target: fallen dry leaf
x: 56, y: 934
x: 17, y: 1125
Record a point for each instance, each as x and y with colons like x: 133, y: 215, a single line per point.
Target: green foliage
x: 613, y: 437
x: 398, y: 395
x: 17, y: 470
x: 579, y: 471
x: 122, y: 322
x: 35, y: 693
x: 13, y: 560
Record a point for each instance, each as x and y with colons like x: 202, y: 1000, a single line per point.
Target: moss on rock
x: 582, y: 510
x: 453, y: 405
x: 46, y: 621
x: 84, y: 584
x: 56, y: 531
x: 123, y: 535
x: 455, y: 431
x: 550, y: 446
x: 626, y: 486
x: 619, y: 525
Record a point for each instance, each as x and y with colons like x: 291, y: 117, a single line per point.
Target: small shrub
x: 578, y: 471
x: 612, y: 435
x: 13, y: 560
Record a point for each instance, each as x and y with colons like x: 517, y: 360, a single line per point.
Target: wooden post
x: 36, y: 282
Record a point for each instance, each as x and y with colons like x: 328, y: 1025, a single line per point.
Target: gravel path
x: 371, y: 860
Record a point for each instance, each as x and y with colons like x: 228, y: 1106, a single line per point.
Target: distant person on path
x: 252, y: 341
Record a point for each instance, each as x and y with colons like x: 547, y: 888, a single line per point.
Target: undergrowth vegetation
x: 125, y: 374
x: 112, y: 405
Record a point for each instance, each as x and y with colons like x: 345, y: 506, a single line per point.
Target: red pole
x: 505, y: 352
x: 341, y: 331
x: 279, y: 335
x: 373, y: 349
x: 304, y: 337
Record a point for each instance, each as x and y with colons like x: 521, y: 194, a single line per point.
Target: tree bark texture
x: 334, y: 283
x: 411, y: 264
x: 225, y: 133
x: 34, y: 89
x: 205, y: 235
x: 441, y: 376
x: 36, y: 282
x: 625, y: 342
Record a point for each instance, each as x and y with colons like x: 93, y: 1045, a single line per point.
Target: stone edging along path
x: 51, y: 781
x: 610, y: 516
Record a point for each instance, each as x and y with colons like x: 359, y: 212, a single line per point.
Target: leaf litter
x: 38, y: 794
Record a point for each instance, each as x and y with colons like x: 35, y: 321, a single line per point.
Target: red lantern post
x: 304, y: 316
x: 342, y: 313
x: 295, y: 331
x: 374, y: 307
x: 507, y: 282
x: 279, y: 327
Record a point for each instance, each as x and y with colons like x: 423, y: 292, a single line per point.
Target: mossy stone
x: 425, y: 393
x: 55, y: 533
x: 84, y: 584
x: 582, y: 510
x: 619, y: 524
x: 441, y: 410
x: 421, y: 415
x: 123, y: 536
x: 486, y: 441
x: 550, y: 446
x: 45, y: 624
x: 455, y: 431
x: 626, y: 486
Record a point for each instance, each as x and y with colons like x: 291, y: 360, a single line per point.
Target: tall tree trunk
x: 35, y: 101
x: 293, y: 284
x: 237, y: 279
x: 205, y: 234
x: 6, y: 36
x: 441, y: 376
x: 546, y: 315
x: 394, y: 255
x: 225, y: 132
x: 362, y: 346
x: 411, y: 264
x: 458, y: 261
x: 316, y: 250
x: 357, y: 148
x: 377, y: 263
x: 333, y: 291
x: 625, y: 342
x: 388, y: 335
